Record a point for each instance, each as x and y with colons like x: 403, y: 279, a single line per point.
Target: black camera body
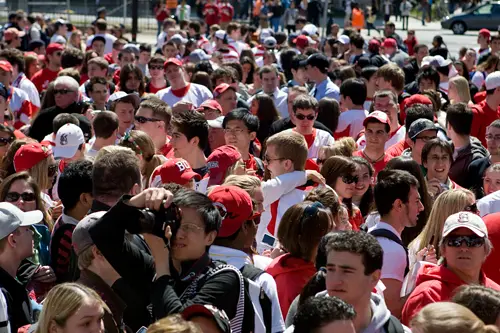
x: 155, y: 222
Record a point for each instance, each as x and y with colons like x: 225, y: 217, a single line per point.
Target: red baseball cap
x: 210, y: 104
x: 301, y: 41
x: 379, y: 116
x: 485, y: 32
x: 30, y: 155
x: 176, y: 170
x: 174, y: 61
x: 219, y: 161
x: 11, y: 33
x: 390, y: 42
x: 237, y: 206
x: 6, y: 66
x: 54, y: 47
x: 416, y: 99
x: 222, y: 88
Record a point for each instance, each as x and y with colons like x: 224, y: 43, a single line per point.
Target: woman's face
x: 327, y: 49
x: 21, y: 195
x: 133, y: 82
x: 52, y: 172
x: 247, y: 68
x: 34, y: 67
x: 364, y: 180
x: 87, y: 319
x: 460, y: 69
x: 491, y: 182
x: 77, y: 39
x: 254, y: 107
x: 5, y: 141
x: 344, y: 186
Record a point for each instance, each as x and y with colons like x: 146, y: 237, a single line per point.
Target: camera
x: 156, y: 221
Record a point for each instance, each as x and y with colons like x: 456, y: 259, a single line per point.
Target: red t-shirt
x: 483, y: 117
x: 211, y: 13
x: 153, y: 90
x: 166, y: 148
x: 43, y: 77
x: 250, y: 163
x: 377, y: 166
x: 226, y: 12
x: 109, y: 58
x: 490, y: 266
x: 397, y: 149
x: 479, y: 97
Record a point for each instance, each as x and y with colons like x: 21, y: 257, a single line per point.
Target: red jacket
x: 435, y: 284
x: 291, y: 275
x: 211, y: 13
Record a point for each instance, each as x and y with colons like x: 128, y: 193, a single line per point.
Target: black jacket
x: 18, y: 302
x: 459, y: 168
x: 411, y: 70
x: 285, y: 123
x: 137, y: 268
x: 475, y: 176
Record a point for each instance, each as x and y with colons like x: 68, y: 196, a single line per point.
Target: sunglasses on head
x: 302, y: 117
x: 470, y: 241
x: 5, y: 141
x: 62, y: 91
x: 143, y: 120
x: 349, y: 179
x: 472, y: 208
x: 52, y: 170
x: 14, y: 196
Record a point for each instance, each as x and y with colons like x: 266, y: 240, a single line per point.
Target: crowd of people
x: 239, y: 179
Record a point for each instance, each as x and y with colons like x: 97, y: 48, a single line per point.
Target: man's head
x: 458, y: 120
x: 421, y: 131
x: 354, y: 264
x: 65, y: 91
x: 12, y: 37
x: 105, y: 125
x: 286, y: 152
x: 116, y: 172
x: 15, y: 58
x: 492, y: 85
x: 396, y: 195
x: 124, y: 105
x: 211, y: 109
x: 387, y: 102
x: 316, y: 67
x: 390, y: 77
x: 240, y: 129
x: 369, y: 78
x: 421, y: 51
x: 225, y: 94
x: 305, y: 111
x: 352, y: 94
x: 293, y: 93
x: 155, y: 67
x: 298, y: 69
x: 428, y: 79
x: 220, y: 39
x: 324, y: 314
x: 174, y: 72
x: 389, y: 29
x: 270, y: 79
x: 377, y: 128
x: 493, y: 138
x: 437, y: 156
x: 69, y: 143
x: 6, y: 75
x: 495, y: 44
x: 222, y: 75
x: 75, y: 186
x: 126, y: 56
x: 101, y: 25
x: 72, y: 58
x: 153, y: 117
x: 465, y: 244
x: 144, y: 53
x: 483, y: 37
x: 189, y: 133
x: 53, y: 54
x: 390, y: 45
x: 16, y: 233
x: 98, y: 44
x: 37, y: 46
x: 98, y: 90
x: 97, y: 67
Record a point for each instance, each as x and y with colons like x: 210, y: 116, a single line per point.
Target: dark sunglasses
x: 470, y: 241
x: 143, y: 120
x: 472, y: 208
x: 52, y: 170
x: 302, y: 117
x: 14, y: 196
x: 155, y: 67
x: 7, y: 116
x: 5, y: 141
x: 348, y: 179
x: 62, y: 91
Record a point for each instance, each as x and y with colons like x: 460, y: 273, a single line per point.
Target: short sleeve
x: 394, y: 260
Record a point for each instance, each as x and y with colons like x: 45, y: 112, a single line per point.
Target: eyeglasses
x: 268, y: 160
x: 472, y: 208
x: 143, y: 120
x: 14, y: 196
x: 302, y: 117
x: 52, y: 170
x: 190, y: 228
x: 425, y: 138
x: 348, y: 179
x: 490, y: 137
x: 155, y: 67
x: 5, y: 141
x: 62, y: 91
x: 233, y: 131
x: 470, y: 241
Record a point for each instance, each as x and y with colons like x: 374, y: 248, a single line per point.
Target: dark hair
x: 484, y: 302
x: 418, y: 111
x: 195, y: 26
x: 305, y: 102
x: 417, y: 47
x: 71, y: 57
x: 268, y: 69
x: 287, y: 58
x: 444, y: 145
x: 267, y: 112
x: 203, y: 205
x: 445, y: 70
x: 15, y: 57
x: 159, y: 109
x: 105, y: 124
x: 236, y: 68
x: 125, y: 72
x: 329, y: 113
x: 363, y: 244
x: 251, y: 122
x: 98, y: 39
x: 428, y: 73
x: 101, y: 24
x: 355, y: 89
x: 62, y: 119
x: 204, y: 66
x: 192, y: 124
x: 96, y: 80
x: 358, y: 41
x: 367, y: 200
x: 459, y: 117
x: 253, y: 66
x: 144, y: 48
x: 75, y: 180
x: 317, y: 312
x: 367, y: 72
x: 157, y: 59
x: 334, y: 168
x: 219, y: 73
x: 392, y: 185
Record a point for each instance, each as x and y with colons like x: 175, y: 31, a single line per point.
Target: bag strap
x: 393, y: 325
x: 384, y: 233
x: 252, y: 273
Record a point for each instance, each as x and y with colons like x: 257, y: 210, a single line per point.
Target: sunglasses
x: 269, y: 160
x: 143, y: 120
x: 348, y: 179
x: 7, y: 116
x: 155, y: 67
x: 470, y: 241
x: 300, y: 116
x: 472, y: 208
x: 52, y: 170
x: 14, y: 196
x: 5, y: 141
x: 62, y: 91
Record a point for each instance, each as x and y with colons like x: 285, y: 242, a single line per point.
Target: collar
x: 68, y: 219
x: 18, y: 80
x: 387, y: 226
x: 193, y: 268
x: 323, y: 83
x: 98, y: 206
x: 230, y: 256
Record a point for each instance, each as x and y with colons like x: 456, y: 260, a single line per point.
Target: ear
x: 86, y: 199
x: 53, y: 328
x: 136, y: 189
x: 288, y: 164
x: 210, y: 238
x: 397, y: 204
x: 11, y: 240
x: 375, y: 277
x: 194, y: 141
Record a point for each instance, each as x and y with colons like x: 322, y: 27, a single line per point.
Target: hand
x: 315, y: 176
x: 434, y: 187
x: 276, y: 252
x: 152, y: 198
x: 45, y: 274
x: 57, y: 210
x: 181, y: 107
x: 427, y: 254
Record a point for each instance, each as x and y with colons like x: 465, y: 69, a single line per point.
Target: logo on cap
x: 463, y: 218
x: 64, y: 139
x: 182, y: 165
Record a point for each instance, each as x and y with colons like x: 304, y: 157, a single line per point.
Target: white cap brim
x: 30, y: 218
x: 467, y: 226
x: 64, y: 152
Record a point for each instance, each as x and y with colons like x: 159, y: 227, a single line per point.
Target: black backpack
x: 261, y: 170
x: 250, y: 272
x: 393, y: 325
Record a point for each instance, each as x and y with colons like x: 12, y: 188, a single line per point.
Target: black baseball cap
x: 35, y: 43
x: 317, y: 60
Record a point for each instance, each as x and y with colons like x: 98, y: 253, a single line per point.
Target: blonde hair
x: 343, y: 147
x: 62, y: 302
x: 173, y: 324
x: 462, y: 86
x: 85, y: 258
x: 446, y: 204
x: 292, y: 146
x: 245, y: 182
x: 448, y: 317
x: 40, y: 173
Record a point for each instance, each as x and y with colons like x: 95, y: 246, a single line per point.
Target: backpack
x: 260, y: 171
x: 264, y: 314
x: 393, y: 325
x: 384, y: 233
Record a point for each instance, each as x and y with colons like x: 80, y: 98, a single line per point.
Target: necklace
x: 373, y: 161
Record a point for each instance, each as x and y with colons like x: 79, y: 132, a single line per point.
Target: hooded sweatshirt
x: 435, y: 284
x: 291, y: 274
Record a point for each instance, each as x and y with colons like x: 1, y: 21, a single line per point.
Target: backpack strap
x: 252, y: 273
x: 384, y: 233
x: 260, y: 166
x: 393, y: 325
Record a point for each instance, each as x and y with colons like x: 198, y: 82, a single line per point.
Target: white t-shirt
x: 196, y: 95
x: 351, y: 123
x: 110, y: 39
x: 321, y: 138
x: 394, y: 255
x: 489, y: 204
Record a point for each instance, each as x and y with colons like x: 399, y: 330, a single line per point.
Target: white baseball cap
x: 68, y: 139
x: 221, y: 34
x: 492, y: 80
x: 121, y: 94
x: 264, y: 33
x: 12, y: 218
x: 270, y: 42
x: 310, y: 29
x: 435, y: 61
x: 216, y: 123
x: 467, y: 220
x: 344, y: 39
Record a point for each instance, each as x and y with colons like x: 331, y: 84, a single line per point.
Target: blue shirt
x: 325, y: 88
